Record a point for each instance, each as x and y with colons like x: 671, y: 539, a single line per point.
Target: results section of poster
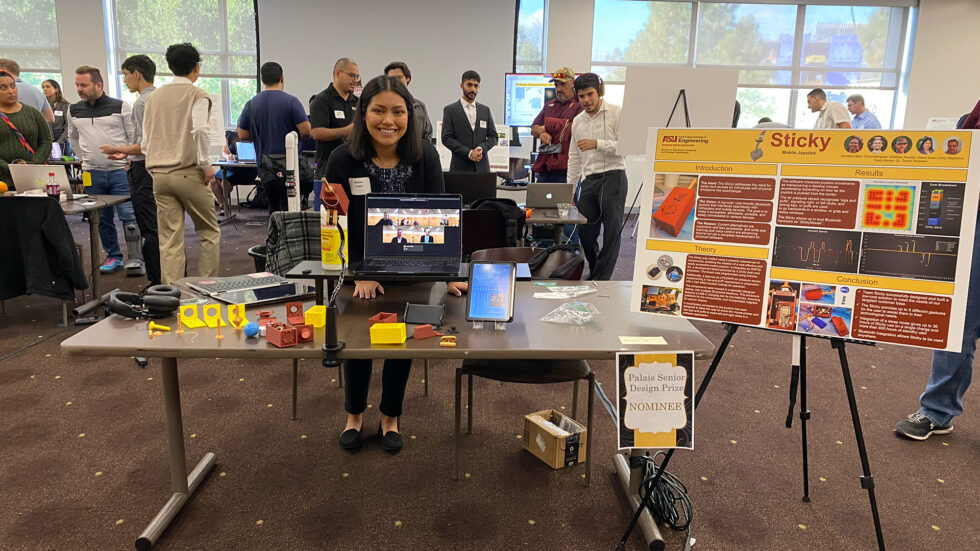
x: 852, y: 234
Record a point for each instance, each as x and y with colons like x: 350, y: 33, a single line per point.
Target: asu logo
x: 669, y: 139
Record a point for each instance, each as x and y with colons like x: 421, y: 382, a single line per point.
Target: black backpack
x: 567, y: 262
x: 513, y: 217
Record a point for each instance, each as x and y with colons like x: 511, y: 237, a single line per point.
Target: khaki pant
x: 177, y: 192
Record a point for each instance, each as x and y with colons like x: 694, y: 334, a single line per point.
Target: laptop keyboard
x: 413, y: 262
x: 235, y: 283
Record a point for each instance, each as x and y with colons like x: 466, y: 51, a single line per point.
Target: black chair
x: 527, y: 371
x: 482, y: 229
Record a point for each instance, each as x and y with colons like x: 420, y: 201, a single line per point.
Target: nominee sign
x: 655, y: 406
x: 850, y: 234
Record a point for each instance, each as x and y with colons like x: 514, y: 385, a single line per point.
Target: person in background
x: 467, y: 128
x: 399, y: 70
x: 28, y: 94
x: 25, y: 136
x: 332, y: 110
x: 385, y: 148
x: 59, y: 109
x: 553, y: 127
x: 230, y: 176
x: 833, y: 114
x: 593, y: 158
x: 138, y: 74
x: 952, y: 372
x: 266, y: 119
x: 863, y: 118
x: 176, y: 145
x: 93, y: 122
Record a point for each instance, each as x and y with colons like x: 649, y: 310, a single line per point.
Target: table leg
x: 182, y: 484
x: 93, y: 236
x: 559, y: 233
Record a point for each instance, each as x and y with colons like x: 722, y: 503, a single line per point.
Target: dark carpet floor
x: 83, y: 453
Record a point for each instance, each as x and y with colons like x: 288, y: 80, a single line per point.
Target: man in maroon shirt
x: 553, y: 125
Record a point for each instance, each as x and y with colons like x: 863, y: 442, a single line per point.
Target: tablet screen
x: 491, y: 291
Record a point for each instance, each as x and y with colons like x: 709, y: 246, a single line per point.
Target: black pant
x: 275, y: 191
x: 394, y: 379
x: 602, y: 202
x: 145, y: 208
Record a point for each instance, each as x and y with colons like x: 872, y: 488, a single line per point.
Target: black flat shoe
x: 391, y: 441
x: 351, y: 439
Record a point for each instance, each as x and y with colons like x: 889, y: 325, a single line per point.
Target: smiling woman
x: 384, y: 153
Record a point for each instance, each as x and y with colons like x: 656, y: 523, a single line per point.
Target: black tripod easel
x: 681, y: 97
x: 798, y: 376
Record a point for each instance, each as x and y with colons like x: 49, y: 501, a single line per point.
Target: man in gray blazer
x: 467, y: 128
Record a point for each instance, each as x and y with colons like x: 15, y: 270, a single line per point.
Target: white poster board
x: 650, y: 95
x: 849, y: 234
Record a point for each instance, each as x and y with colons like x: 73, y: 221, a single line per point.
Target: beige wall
x: 944, y: 80
x: 81, y: 36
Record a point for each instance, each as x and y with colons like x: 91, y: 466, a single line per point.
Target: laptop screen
x: 246, y: 152
x: 413, y: 226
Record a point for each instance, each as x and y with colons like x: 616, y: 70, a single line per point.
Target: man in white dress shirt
x: 592, y: 157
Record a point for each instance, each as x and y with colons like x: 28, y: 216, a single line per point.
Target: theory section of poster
x: 864, y: 235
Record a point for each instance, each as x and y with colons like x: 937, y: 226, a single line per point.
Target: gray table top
x: 92, y: 202
x: 526, y: 337
x: 550, y: 216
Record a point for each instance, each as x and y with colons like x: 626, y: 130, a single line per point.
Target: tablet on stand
x: 490, y: 297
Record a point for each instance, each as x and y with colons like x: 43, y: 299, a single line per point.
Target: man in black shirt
x: 332, y: 112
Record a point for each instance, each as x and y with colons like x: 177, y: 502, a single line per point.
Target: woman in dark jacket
x: 385, y: 148
x: 59, y: 106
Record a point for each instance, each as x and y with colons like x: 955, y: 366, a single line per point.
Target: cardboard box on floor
x: 549, y: 443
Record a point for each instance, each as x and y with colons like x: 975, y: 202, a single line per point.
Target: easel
x: 681, y: 96
x: 798, y: 376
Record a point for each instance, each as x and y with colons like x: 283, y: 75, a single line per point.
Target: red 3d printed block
x: 304, y: 333
x: 383, y: 317
x: 672, y: 214
x: 813, y: 294
x: 294, y: 313
x: 264, y: 322
x: 280, y: 335
x: 426, y: 331
x: 840, y: 326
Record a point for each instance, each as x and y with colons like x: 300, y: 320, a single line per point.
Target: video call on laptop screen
x: 413, y: 226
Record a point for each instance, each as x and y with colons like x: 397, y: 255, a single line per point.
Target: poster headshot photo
x: 902, y: 145
x: 926, y: 145
x: 853, y: 144
x: 952, y: 146
x: 877, y: 144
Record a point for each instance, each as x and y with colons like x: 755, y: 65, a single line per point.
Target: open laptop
x: 412, y: 234
x: 547, y: 195
x: 250, y: 289
x: 471, y: 185
x: 246, y: 152
x: 32, y: 178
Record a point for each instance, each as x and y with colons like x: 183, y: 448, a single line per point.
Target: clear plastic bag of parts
x: 572, y: 313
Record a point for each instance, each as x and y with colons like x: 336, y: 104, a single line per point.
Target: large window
x: 30, y: 37
x: 781, y: 51
x: 531, y: 40
x: 222, y: 30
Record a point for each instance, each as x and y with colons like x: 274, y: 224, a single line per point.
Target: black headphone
x: 159, y: 301
x: 590, y: 80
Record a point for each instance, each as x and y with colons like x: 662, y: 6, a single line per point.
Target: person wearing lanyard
x: 331, y: 111
x: 384, y: 153
x: 592, y: 157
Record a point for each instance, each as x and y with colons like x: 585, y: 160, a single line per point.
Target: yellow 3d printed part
x: 388, y: 333
x: 189, y: 317
x: 316, y: 316
x: 212, y: 315
x: 237, y: 312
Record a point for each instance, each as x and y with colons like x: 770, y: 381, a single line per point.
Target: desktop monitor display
x: 524, y: 96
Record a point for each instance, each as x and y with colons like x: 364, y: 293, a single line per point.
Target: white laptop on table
x: 32, y: 178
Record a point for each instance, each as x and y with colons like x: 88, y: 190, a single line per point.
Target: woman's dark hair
x: 58, y: 96
x: 359, y: 142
